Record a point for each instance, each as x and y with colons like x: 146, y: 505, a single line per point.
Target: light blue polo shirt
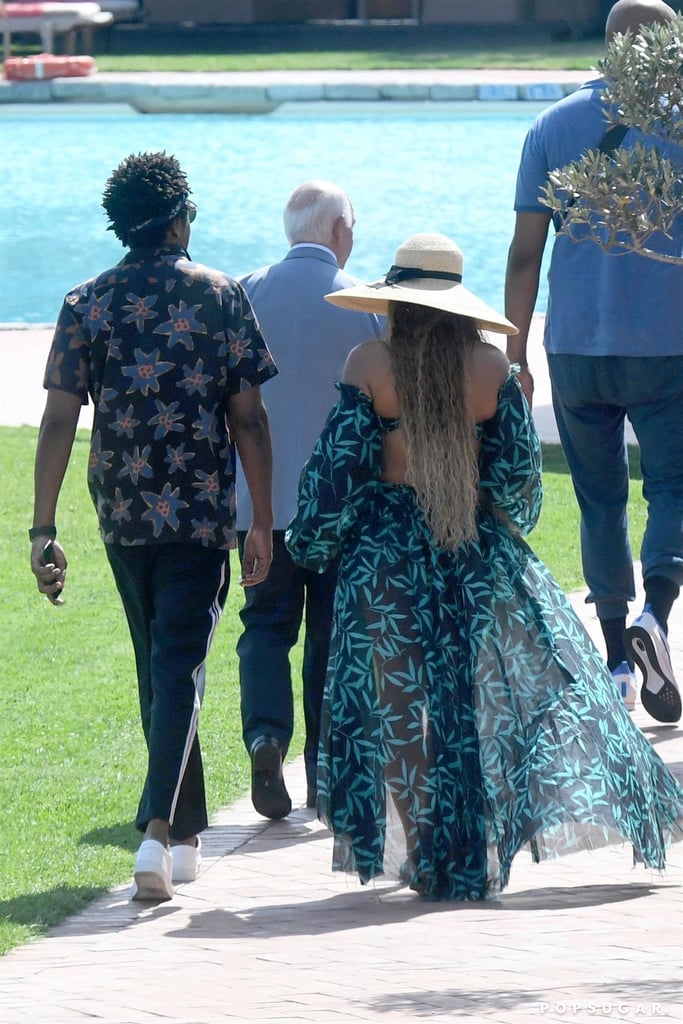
x: 313, y: 339
x: 599, y: 303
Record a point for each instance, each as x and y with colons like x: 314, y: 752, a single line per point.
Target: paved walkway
x: 268, y: 933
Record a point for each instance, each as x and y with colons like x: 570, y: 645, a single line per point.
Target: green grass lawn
x: 72, y: 749
x: 315, y: 48
x: 210, y: 57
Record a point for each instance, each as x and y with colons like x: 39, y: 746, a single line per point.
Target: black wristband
x: 42, y: 531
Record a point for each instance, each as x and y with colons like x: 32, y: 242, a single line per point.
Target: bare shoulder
x: 489, y: 370
x: 488, y: 359
x: 368, y: 365
x: 370, y: 368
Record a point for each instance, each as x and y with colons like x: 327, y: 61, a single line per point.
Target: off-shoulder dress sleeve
x: 346, y: 459
x: 510, y: 459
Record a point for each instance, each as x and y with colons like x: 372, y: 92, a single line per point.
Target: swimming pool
x: 446, y: 167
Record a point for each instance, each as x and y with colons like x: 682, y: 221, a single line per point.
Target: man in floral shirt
x: 172, y: 357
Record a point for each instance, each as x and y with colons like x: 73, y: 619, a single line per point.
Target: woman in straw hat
x: 467, y: 713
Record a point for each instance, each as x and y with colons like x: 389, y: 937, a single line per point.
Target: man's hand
x: 526, y: 383
x: 49, y: 568
x: 257, y: 556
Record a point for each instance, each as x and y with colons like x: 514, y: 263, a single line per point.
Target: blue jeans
x: 172, y: 595
x: 591, y: 397
x: 272, y: 615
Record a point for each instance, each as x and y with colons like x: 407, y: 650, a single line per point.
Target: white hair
x: 312, y: 211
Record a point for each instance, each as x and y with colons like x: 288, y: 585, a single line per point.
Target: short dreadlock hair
x: 142, y: 195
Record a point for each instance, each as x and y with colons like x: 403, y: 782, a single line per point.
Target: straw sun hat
x: 427, y: 272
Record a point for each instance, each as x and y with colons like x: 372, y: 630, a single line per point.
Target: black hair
x: 141, y: 196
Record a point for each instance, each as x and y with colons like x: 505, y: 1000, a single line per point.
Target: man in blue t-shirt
x: 615, y: 349
x: 171, y: 355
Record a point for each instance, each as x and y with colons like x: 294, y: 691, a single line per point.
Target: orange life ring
x: 47, y: 65
x: 24, y: 10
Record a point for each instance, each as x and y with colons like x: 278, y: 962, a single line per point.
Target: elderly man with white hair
x: 310, y: 340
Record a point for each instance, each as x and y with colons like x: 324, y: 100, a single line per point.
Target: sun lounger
x: 123, y: 10
x: 49, y: 20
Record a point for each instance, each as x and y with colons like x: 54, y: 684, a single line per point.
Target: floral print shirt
x: 160, y: 344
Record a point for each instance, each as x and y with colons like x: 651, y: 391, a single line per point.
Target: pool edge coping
x: 263, y: 92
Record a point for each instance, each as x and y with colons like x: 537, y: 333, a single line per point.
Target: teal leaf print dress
x: 467, y: 713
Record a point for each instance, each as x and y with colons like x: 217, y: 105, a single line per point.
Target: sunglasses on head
x: 183, y: 205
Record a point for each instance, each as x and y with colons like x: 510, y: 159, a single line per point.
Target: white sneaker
x: 186, y: 861
x: 626, y: 684
x: 153, y: 871
x: 649, y: 648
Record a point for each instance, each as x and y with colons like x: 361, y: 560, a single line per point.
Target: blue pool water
x: 407, y: 167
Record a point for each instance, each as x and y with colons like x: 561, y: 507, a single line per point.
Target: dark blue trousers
x: 173, y: 595
x: 272, y: 615
x: 591, y: 397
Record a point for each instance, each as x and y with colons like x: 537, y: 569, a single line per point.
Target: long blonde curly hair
x: 431, y: 353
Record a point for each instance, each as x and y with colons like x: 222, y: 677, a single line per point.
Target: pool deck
x: 265, y: 91
x: 24, y: 349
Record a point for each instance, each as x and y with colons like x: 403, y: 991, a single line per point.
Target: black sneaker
x: 648, y: 646
x: 268, y: 791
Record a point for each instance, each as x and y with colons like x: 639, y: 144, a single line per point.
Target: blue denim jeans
x: 272, y: 615
x: 172, y: 595
x: 591, y: 397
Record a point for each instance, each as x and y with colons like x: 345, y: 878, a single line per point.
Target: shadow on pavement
x: 358, y: 910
